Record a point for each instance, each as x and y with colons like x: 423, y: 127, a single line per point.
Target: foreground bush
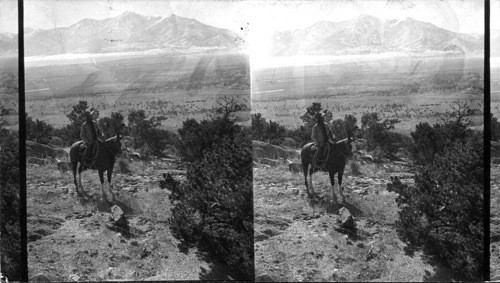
x: 495, y: 128
x: 271, y: 132
x: 199, y: 137
x: 213, y: 209
x: 38, y: 131
x: 428, y: 141
x: 443, y: 212
x: 379, y: 134
x: 10, y: 246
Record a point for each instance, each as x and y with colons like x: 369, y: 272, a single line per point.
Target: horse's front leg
x: 74, y: 167
x: 312, y: 194
x: 101, y: 179
x: 332, y: 182
x: 110, y: 186
x: 340, y: 196
x: 82, y: 193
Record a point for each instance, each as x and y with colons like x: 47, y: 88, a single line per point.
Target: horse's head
x: 121, y: 141
x: 117, y: 144
x: 345, y: 147
x: 349, y: 147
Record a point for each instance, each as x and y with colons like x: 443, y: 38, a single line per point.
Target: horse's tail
x: 305, y: 156
x: 74, y: 152
x: 73, y: 157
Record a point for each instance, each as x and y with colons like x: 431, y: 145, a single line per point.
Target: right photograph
x: 367, y: 128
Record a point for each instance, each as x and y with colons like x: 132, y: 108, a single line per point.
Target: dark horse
x: 105, y: 160
x: 337, y: 158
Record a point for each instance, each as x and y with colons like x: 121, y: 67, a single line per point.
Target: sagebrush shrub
x: 354, y: 168
x: 213, y: 208
x: 430, y: 140
x: 38, y: 131
x: 378, y: 134
x: 301, y: 135
x: 10, y: 245
x: 123, y: 166
x: 443, y: 212
x: 267, y: 131
x: 495, y: 128
x: 147, y: 134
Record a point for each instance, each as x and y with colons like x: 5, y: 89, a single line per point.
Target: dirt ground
x: 296, y: 238
x: 73, y: 239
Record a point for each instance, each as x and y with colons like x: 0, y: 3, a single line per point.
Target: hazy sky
x: 8, y: 16
x: 268, y: 15
x: 456, y: 15
x: 257, y: 19
x: 495, y: 15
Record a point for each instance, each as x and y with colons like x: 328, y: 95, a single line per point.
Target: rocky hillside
x: 302, y: 239
x: 76, y: 239
x: 8, y: 43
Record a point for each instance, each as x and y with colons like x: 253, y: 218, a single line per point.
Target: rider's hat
x: 86, y: 114
x: 318, y: 116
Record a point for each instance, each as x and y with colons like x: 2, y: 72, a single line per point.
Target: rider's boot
x: 86, y: 158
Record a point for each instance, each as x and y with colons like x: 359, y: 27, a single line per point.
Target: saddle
x: 320, y: 155
x: 88, y: 158
x: 81, y: 148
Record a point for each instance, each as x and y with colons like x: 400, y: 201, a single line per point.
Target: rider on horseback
x: 90, y: 133
x: 321, y: 134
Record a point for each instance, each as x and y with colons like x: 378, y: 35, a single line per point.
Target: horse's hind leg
x: 101, y: 178
x: 310, y: 169
x: 305, y: 169
x: 336, y: 193
x: 80, y: 169
x: 340, y: 195
x: 110, y: 173
x: 74, y: 166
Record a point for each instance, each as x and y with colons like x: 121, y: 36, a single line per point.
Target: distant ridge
x: 369, y: 34
x: 128, y: 32
x: 8, y: 43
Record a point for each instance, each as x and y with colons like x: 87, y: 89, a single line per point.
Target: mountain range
x: 128, y: 32
x: 8, y: 43
x: 133, y: 32
x: 368, y: 34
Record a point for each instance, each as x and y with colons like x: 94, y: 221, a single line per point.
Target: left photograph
x: 139, y: 162
x: 10, y: 230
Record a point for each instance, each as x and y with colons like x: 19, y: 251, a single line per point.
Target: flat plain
x: 9, y: 90
x: 174, y: 86
x: 408, y: 88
